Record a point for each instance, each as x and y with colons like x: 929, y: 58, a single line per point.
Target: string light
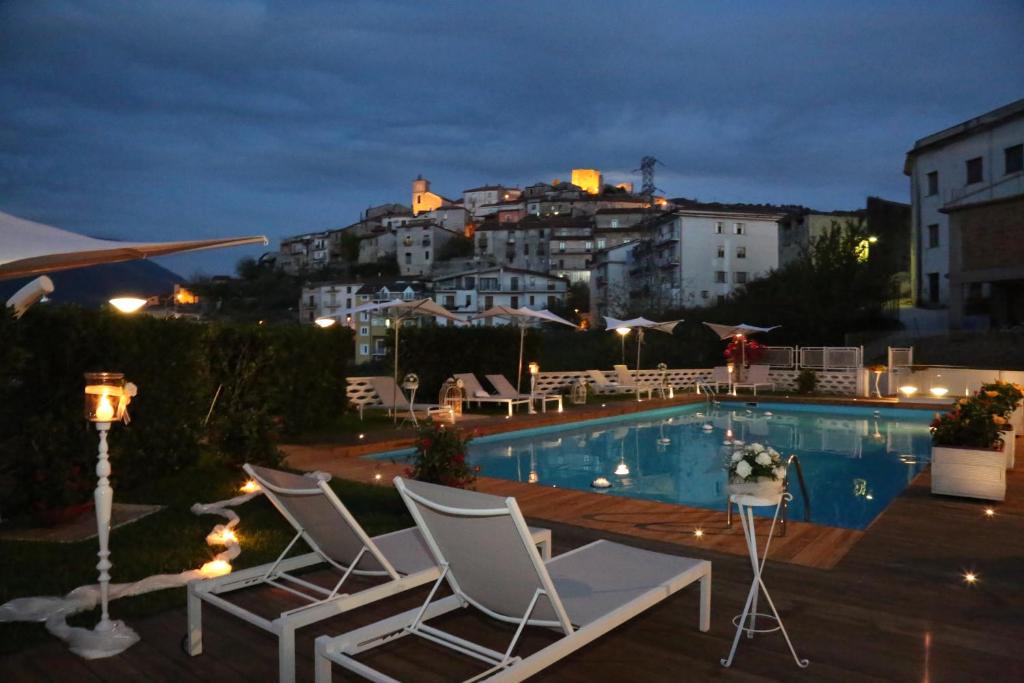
x: 250, y: 487
x: 215, y: 568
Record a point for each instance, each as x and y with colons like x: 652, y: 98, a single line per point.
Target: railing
x: 831, y: 357
x: 710, y: 392
x: 779, y: 356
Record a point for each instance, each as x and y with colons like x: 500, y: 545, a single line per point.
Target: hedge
x: 271, y: 380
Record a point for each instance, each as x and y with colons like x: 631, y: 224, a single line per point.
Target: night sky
x: 185, y: 119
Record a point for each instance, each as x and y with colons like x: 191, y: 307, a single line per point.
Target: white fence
x: 814, y: 357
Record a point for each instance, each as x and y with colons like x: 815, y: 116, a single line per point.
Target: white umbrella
x: 28, y: 248
x: 522, y: 317
x: 401, y: 310
x: 640, y: 325
x: 740, y: 332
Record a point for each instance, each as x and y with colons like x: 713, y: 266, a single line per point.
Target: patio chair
x: 402, y: 559
x: 625, y: 379
x: 720, y: 376
x: 506, y: 390
x: 482, y: 544
x: 393, y: 399
x: 757, y: 376
x: 604, y: 386
x: 475, y: 393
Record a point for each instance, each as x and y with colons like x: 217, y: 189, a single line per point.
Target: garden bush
x: 441, y: 457
x: 806, y: 381
x: 272, y: 380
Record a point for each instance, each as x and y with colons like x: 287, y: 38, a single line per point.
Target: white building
x: 609, y: 283
x: 474, y: 291
x: 975, y: 161
x: 474, y: 199
x: 329, y: 300
x: 417, y: 244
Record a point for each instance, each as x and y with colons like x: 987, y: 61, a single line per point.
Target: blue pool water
x: 855, y: 460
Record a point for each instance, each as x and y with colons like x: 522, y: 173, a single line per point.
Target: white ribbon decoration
x: 55, y: 611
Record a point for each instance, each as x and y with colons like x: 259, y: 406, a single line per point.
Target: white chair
x: 626, y: 380
x: 756, y: 376
x: 506, y: 390
x: 401, y: 559
x: 394, y: 399
x: 487, y: 559
x: 720, y: 376
x: 604, y: 386
x: 475, y: 393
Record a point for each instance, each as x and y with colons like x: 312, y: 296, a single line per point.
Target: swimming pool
x: 854, y: 460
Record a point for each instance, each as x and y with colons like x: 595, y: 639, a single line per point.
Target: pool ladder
x: 710, y: 393
x: 792, y: 461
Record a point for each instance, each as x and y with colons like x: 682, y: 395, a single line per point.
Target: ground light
x: 970, y: 578
x: 989, y: 512
x: 908, y: 390
x: 699, y: 533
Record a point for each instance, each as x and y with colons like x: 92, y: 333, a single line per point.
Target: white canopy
x: 29, y: 248
x: 639, y: 324
x: 522, y: 317
x: 727, y: 331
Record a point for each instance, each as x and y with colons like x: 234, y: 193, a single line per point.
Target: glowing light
x: 970, y: 578
x: 362, y: 436
x: 938, y: 392
x: 622, y: 469
x: 104, y: 409
x: 604, y: 405
x: 873, y: 239
x: 250, y: 487
x: 622, y: 330
x: 533, y: 477
x: 324, y: 322
x: 699, y: 533
x: 127, y: 304
x: 989, y: 512
x: 376, y: 476
x: 223, y: 538
x: 215, y: 568
x: 601, y: 483
x: 908, y: 390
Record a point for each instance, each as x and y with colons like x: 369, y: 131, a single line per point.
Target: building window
x: 588, y: 245
x: 741, y: 252
x: 488, y: 301
x: 719, y: 276
x: 933, y: 288
x: 449, y: 301
x: 514, y: 284
x: 933, y: 183
x: 974, y: 170
x: 718, y: 228
x: 310, y: 299
x: 552, y: 301
x: 408, y: 258
x: 739, y: 277
x: 426, y: 255
x: 561, y: 246
x: 364, y: 331
x: 615, y: 222
x: 739, y: 228
x: 378, y: 347
x: 531, y: 299
x: 601, y: 243
x: 720, y: 299
x: 311, y: 316
x: 364, y: 316
x: 364, y: 349
x: 704, y: 294
x: 515, y: 302
x: 1013, y: 159
x: 721, y: 251
x: 933, y: 235
x: 526, y: 249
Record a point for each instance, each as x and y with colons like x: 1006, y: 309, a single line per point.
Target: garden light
x: 908, y: 390
x: 127, y: 304
x: 938, y: 392
x: 699, y: 533
x: 622, y: 469
x: 249, y: 487
x: 989, y: 512
x: 533, y: 477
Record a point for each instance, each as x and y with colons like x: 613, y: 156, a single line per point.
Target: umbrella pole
x: 519, y: 371
x: 394, y: 397
x: 639, y: 343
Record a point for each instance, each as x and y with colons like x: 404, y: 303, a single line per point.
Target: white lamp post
x: 106, y: 398
x: 534, y: 371
x: 623, y: 332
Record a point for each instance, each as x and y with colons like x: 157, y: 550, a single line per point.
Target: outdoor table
x: 747, y: 621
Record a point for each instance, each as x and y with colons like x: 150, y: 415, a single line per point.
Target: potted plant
x: 967, y: 451
x: 756, y: 470
x: 1005, y: 400
x: 441, y: 457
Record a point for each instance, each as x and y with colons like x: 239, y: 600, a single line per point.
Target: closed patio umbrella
x: 29, y: 248
x: 522, y: 317
x: 401, y: 310
x: 640, y: 325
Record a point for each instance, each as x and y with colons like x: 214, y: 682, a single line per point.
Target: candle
x: 104, y: 409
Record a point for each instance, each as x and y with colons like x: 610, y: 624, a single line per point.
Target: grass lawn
x: 169, y: 541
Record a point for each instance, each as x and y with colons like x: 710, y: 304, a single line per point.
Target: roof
x: 486, y: 188
x: 620, y: 211
x: 969, y: 127
x: 375, y: 285
x: 684, y: 204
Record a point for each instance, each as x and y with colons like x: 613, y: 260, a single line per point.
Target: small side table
x: 747, y: 621
x: 544, y: 398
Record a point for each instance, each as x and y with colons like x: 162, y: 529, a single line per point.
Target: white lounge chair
x: 625, y: 379
x: 720, y: 376
x: 483, y: 546
x: 604, y: 386
x: 401, y: 559
x: 756, y: 376
x: 506, y: 390
x: 393, y: 399
x: 475, y: 393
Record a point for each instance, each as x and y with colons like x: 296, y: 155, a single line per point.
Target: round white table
x: 747, y: 621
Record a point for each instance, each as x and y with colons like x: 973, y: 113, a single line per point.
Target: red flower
x: 427, y: 443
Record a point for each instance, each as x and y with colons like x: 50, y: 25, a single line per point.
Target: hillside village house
x: 475, y: 291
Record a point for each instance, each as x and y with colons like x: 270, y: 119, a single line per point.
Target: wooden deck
x: 895, y: 608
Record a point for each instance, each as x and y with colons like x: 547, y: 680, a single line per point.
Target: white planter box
x: 968, y: 472
x: 1010, y: 446
x: 1017, y: 419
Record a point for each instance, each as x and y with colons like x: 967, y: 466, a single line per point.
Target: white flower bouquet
x: 756, y: 464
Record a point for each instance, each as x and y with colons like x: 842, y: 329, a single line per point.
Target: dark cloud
x: 186, y: 119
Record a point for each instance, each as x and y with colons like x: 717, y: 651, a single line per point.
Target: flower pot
x: 1017, y: 418
x: 57, y: 516
x: 1009, y: 437
x: 969, y: 472
x: 762, y: 487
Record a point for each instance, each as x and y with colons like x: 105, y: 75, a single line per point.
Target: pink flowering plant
x: 441, y: 457
x: 755, y: 461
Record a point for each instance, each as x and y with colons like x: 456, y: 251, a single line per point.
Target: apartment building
x: 474, y: 291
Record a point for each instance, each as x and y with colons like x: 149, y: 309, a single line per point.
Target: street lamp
x: 128, y: 304
x: 324, y: 322
x: 623, y: 332
x: 106, y: 399
x: 534, y: 372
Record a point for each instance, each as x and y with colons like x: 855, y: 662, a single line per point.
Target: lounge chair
x: 756, y: 376
x: 604, y: 386
x: 625, y: 380
x: 402, y: 559
x: 506, y: 390
x: 720, y: 376
x: 393, y: 399
x: 475, y: 393
x: 488, y: 561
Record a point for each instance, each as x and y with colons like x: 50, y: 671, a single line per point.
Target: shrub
x: 806, y: 381
x: 970, y: 424
x: 441, y: 457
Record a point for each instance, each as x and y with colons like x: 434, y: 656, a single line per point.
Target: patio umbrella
x: 522, y: 317
x: 640, y: 325
x: 740, y: 332
x: 29, y: 248
x: 400, y: 311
